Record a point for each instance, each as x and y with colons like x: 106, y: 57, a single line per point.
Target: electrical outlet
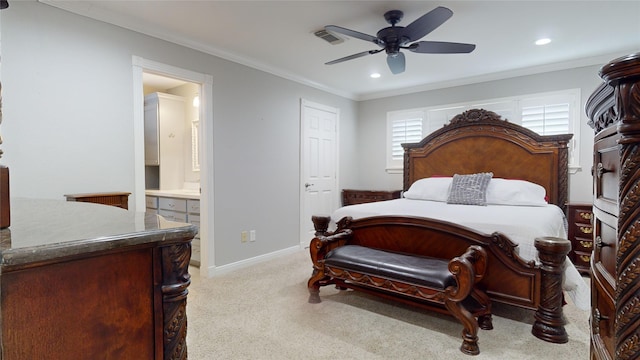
x: 252, y: 235
x: 243, y: 236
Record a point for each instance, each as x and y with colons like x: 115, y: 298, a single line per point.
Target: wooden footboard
x: 508, y: 278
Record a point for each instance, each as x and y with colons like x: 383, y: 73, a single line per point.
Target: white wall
x: 372, y: 121
x: 68, y: 123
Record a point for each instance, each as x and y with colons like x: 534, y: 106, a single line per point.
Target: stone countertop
x: 178, y: 193
x: 50, y: 229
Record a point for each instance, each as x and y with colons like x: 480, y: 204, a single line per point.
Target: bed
x: 519, y: 272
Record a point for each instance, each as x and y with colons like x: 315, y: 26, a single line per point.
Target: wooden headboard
x: 481, y: 141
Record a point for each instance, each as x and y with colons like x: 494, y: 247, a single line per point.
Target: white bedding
x: 521, y: 224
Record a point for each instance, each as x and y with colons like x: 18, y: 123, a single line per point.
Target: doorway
x: 150, y: 76
x: 319, y: 165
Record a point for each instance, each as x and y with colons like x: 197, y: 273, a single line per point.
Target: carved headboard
x: 481, y: 141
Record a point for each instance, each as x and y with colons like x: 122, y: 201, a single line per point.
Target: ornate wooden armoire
x: 614, y: 113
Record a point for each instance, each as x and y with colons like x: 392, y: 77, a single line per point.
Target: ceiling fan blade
x: 353, y: 33
x: 354, y: 56
x: 396, y: 62
x: 440, y: 47
x: 427, y: 23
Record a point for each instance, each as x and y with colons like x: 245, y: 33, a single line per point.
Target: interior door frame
x: 140, y: 65
x: 304, y: 242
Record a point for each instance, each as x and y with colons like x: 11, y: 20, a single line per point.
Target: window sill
x: 394, y: 170
x: 574, y: 169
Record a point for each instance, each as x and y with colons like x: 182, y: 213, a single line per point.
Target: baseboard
x: 223, y: 269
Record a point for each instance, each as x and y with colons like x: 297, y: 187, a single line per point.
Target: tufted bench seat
x: 437, y: 284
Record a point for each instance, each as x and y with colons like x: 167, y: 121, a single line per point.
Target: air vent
x: 328, y: 37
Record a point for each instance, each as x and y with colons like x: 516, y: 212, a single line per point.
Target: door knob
x: 306, y: 185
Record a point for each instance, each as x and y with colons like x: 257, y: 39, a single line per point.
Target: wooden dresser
x: 119, y: 199
x: 352, y: 197
x: 581, y: 235
x: 614, y: 113
x: 80, y: 281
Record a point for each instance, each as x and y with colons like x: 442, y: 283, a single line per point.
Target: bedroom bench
x: 443, y: 285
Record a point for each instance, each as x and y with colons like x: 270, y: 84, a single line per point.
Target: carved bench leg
x: 314, y: 286
x: 485, y: 322
x: 484, y: 319
x: 470, y: 331
x: 549, y: 318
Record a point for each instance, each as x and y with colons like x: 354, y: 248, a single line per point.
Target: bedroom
x: 64, y: 78
x: 68, y: 97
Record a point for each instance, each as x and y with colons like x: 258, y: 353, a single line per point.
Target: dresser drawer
x: 605, y: 171
x: 605, y: 231
x: 172, y: 204
x: 173, y: 215
x: 603, y: 316
x: 193, y: 206
x: 580, y: 234
x: 580, y: 215
x: 193, y: 219
x: 582, y: 260
x: 584, y: 231
x: 583, y: 245
x: 151, y: 202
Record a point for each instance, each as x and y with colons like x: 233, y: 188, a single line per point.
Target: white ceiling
x: 277, y: 37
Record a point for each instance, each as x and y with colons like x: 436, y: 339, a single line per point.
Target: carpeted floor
x: 261, y: 312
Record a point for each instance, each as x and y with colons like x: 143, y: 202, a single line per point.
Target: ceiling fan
x: 392, y: 39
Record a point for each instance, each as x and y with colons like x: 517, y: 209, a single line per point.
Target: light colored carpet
x: 261, y: 312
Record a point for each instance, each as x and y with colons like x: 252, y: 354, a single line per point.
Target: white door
x: 319, y: 194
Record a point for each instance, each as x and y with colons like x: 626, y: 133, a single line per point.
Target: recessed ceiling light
x: 544, y: 41
x: 375, y: 75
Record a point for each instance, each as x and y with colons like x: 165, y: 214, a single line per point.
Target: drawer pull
x: 600, y: 170
x: 599, y: 243
x: 586, y: 244
x: 585, y: 258
x: 586, y: 229
x: 596, y: 318
x: 586, y: 215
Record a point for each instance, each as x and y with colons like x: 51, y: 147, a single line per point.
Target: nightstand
x: 118, y: 199
x: 580, y: 235
x: 352, y: 197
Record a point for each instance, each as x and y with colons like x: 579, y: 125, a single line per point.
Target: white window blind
x: 404, y: 131
x: 547, y: 119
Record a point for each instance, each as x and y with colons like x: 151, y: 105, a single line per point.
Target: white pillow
x: 515, y: 192
x: 433, y: 189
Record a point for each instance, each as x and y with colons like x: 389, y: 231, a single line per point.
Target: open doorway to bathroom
x: 185, y: 192
x: 171, y: 148
x: 172, y: 121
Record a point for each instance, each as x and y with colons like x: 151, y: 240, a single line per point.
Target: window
x: 547, y: 119
x: 547, y: 114
x: 403, y: 127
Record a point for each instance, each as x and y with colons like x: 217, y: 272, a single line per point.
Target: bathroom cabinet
x: 164, y: 136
